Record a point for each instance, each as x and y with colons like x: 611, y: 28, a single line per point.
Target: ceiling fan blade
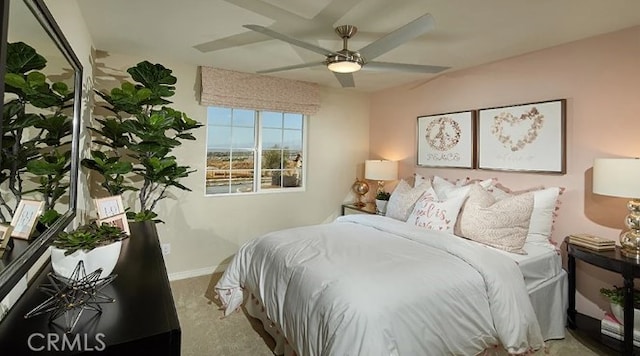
x: 402, y: 67
x: 232, y: 41
x: 335, y: 10
x: 345, y: 79
x: 393, y: 39
x: 297, y: 66
x: 288, y: 39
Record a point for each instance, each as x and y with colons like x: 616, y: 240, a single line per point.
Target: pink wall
x: 599, y: 77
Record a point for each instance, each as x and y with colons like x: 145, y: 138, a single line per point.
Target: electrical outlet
x: 166, y: 249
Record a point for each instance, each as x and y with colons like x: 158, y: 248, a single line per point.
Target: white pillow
x: 403, y: 198
x: 420, y: 179
x: 544, y: 206
x: 445, y: 189
x: 434, y: 214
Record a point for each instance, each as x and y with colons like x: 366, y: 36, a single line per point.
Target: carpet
x: 205, y: 333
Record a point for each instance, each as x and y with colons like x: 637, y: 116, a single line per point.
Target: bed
x: 374, y: 285
x: 454, y: 268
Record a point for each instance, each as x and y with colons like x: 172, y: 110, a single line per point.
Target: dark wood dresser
x: 142, y: 321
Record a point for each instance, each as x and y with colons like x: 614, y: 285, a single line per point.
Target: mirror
x: 40, y: 128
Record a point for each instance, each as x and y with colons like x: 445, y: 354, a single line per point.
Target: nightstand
x: 613, y: 261
x: 368, y: 208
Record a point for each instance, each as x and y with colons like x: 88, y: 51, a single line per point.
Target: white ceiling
x: 466, y: 33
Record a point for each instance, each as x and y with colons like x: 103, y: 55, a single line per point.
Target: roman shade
x: 221, y: 87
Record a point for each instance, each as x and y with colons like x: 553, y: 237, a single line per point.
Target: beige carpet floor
x: 205, y: 333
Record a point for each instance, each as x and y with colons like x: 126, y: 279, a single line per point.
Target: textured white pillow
x: 545, y: 201
x: 502, y: 224
x: 445, y: 189
x: 442, y: 186
x: 403, y: 198
x: 434, y: 214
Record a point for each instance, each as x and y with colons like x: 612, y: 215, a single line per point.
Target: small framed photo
x: 25, y: 218
x: 119, y: 220
x: 109, y: 206
x: 5, y: 236
x: 446, y: 140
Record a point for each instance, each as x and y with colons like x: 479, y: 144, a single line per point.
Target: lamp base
x: 630, y: 243
x: 361, y: 188
x: 630, y: 240
x: 631, y: 254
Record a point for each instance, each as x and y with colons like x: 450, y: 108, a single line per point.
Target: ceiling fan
x: 345, y: 61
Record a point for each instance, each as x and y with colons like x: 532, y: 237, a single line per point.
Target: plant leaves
x: 156, y: 78
x: 22, y: 58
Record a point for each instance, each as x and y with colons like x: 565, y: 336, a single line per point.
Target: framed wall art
x: 109, y: 206
x: 25, y: 218
x: 525, y: 137
x: 446, y: 140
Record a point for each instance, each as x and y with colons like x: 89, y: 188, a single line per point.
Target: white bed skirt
x: 256, y: 310
x: 549, y: 299
x: 550, y: 302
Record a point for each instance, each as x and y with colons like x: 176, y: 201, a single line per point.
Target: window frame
x: 257, y: 153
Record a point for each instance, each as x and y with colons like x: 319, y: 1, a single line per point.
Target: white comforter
x: 370, y: 285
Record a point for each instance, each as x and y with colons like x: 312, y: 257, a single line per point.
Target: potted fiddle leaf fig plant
x: 36, y: 129
x: 137, y: 137
x: 97, y: 245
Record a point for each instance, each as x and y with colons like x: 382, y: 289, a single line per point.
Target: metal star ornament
x: 69, y: 297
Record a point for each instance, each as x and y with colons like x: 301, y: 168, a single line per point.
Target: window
x: 254, y: 151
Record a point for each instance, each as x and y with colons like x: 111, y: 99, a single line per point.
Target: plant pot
x: 618, y: 313
x: 104, y: 257
x: 381, y: 206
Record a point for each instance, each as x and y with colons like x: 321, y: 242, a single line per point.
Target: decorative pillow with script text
x: 434, y: 214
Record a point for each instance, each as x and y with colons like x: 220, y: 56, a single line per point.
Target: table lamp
x: 380, y: 170
x: 620, y: 177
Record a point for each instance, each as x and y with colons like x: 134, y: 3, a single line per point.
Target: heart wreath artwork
x: 517, y: 132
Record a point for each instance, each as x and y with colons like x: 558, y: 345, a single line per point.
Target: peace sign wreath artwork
x: 446, y: 140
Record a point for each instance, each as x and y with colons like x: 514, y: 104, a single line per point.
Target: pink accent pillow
x: 545, y: 204
x: 435, y: 214
x: 501, y: 224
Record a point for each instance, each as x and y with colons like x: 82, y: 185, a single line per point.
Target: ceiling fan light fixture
x: 344, y: 66
x: 344, y: 61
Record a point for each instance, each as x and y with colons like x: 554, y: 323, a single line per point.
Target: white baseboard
x: 196, y: 272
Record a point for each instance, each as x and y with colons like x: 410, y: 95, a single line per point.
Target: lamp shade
x: 618, y: 177
x: 380, y: 170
